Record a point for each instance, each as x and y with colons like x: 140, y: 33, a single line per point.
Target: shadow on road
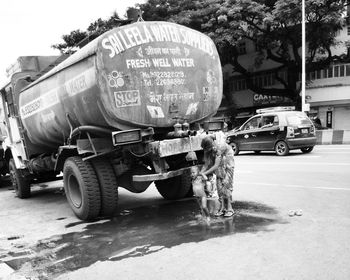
x: 140, y: 231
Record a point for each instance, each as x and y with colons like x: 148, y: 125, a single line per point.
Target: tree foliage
x: 77, y: 38
x: 273, y: 26
x: 324, y: 19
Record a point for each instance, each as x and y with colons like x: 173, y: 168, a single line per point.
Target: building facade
x: 243, y: 101
x: 328, y: 90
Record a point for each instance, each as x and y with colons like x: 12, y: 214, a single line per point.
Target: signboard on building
x: 266, y: 99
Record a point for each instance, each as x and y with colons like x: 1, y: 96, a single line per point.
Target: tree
x: 324, y: 19
x: 274, y: 26
x: 77, y: 38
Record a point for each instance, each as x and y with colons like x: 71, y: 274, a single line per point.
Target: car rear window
x: 297, y: 118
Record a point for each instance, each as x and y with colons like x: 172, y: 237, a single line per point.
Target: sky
x: 31, y: 27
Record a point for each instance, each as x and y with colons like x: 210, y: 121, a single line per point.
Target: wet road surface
x: 138, y: 232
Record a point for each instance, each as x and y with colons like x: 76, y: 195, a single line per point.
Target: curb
x: 330, y: 136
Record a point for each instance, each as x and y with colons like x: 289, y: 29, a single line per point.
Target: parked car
x: 278, y: 129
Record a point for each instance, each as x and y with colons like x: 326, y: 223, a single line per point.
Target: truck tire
x: 108, y: 186
x: 174, y: 188
x: 20, y: 183
x: 82, y: 188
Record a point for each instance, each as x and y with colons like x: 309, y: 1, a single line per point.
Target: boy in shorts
x: 204, y: 189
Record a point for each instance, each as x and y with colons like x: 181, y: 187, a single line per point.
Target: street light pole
x: 303, y: 46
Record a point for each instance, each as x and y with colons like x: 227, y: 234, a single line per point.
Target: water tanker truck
x: 123, y: 111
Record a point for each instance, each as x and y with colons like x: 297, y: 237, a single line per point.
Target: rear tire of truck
x: 82, y: 188
x: 20, y: 183
x: 108, y: 186
x: 175, y: 188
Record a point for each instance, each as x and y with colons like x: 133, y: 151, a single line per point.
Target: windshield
x: 297, y: 119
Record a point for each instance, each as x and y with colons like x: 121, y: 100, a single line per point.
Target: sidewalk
x: 330, y: 136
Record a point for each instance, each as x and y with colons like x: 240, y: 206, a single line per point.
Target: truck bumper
x: 176, y: 146
x: 160, y: 176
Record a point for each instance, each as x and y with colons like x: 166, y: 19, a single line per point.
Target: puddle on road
x: 139, y: 232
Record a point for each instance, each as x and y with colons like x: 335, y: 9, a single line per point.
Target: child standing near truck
x: 204, y: 189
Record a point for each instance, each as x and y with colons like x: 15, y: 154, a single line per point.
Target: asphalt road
x: 153, y: 239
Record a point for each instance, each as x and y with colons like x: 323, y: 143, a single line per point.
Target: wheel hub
x: 74, y: 191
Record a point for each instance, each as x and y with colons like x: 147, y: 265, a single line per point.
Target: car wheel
x: 234, y: 148
x: 281, y: 148
x: 307, y: 150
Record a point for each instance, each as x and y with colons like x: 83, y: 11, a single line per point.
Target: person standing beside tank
x: 219, y: 160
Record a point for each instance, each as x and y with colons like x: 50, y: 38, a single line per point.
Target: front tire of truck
x: 174, y: 188
x: 82, y: 188
x: 108, y: 186
x: 20, y: 183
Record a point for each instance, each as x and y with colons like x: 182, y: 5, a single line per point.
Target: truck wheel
x: 281, y: 148
x: 81, y: 188
x: 174, y: 188
x: 307, y: 150
x: 20, y: 183
x: 108, y: 186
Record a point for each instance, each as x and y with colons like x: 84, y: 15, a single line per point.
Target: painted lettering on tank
x: 113, y: 44
x: 127, y: 98
x: 161, y: 62
x: 163, y: 78
x: 165, y: 32
x: 169, y: 97
x: 211, y: 79
x: 160, y: 51
x: 209, y: 92
x: 183, y: 62
x: 39, y: 104
x: 129, y: 37
x: 73, y: 86
x: 80, y: 82
x: 138, y: 63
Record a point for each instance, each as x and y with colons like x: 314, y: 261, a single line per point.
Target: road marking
x: 332, y: 152
x: 296, y: 186
x: 297, y: 162
x: 332, y: 148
